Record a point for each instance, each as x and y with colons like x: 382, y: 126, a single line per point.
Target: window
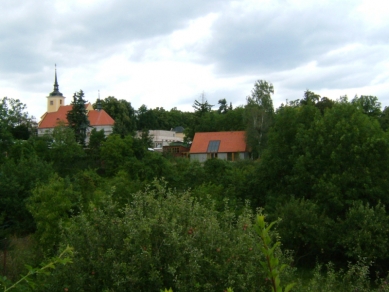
x: 60, y: 101
x: 211, y: 155
x: 213, y: 146
x: 51, y: 102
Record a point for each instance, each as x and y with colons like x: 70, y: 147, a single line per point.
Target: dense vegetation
x: 141, y: 221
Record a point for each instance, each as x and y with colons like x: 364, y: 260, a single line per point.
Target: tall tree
x: 78, y: 117
x: 123, y: 114
x: 259, y: 115
x: 203, y: 106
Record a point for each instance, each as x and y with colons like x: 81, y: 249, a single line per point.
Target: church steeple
x: 55, y: 98
x: 56, y: 90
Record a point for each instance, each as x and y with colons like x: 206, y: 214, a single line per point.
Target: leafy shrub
x: 162, y: 239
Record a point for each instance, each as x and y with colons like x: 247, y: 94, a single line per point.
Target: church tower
x: 55, y: 99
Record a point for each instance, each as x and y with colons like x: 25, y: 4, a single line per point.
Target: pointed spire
x: 98, y: 103
x: 56, y: 90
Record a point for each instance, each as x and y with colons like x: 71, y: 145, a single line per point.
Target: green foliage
x: 96, y: 140
x: 66, y: 154
x: 34, y: 277
x: 259, y: 115
x: 304, y: 229
x: 162, y: 239
x: 116, y: 152
x: 368, y: 104
x: 327, y: 162
x: 365, y: 232
x: 355, y: 278
x: 78, y: 117
x: 50, y: 206
x: 17, y: 179
x: 271, y: 264
x: 14, y: 124
x: 123, y: 114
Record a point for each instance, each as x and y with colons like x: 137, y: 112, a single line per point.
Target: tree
x: 146, y: 119
x: 203, y: 106
x: 65, y: 153
x: 368, y: 104
x: 78, y: 117
x: 327, y: 162
x: 123, y: 114
x: 15, y: 123
x: 223, y: 108
x: 162, y: 238
x: 17, y: 180
x: 259, y: 113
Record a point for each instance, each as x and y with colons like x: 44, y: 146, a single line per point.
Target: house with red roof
x: 229, y: 146
x: 57, y: 111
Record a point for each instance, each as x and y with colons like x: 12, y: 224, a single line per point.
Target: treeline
x: 139, y: 220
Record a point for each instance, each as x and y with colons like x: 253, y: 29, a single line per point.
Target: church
x: 57, y: 111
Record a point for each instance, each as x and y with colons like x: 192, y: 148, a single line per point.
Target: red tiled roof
x: 100, y: 118
x: 233, y: 141
x: 96, y: 118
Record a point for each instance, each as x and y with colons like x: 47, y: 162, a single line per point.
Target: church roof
x: 96, y: 118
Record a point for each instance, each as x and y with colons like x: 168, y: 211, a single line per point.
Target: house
x: 229, y: 146
x: 57, y: 111
x: 177, y: 149
x: 162, y: 138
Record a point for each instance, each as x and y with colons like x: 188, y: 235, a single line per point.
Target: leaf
x: 289, y: 287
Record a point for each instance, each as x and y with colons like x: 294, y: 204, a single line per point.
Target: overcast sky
x: 165, y: 53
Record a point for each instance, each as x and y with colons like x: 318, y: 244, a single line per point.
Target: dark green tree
x: 78, y: 117
x: 203, y: 106
x: 223, y: 106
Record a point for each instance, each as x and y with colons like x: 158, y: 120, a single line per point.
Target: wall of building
x: 201, y: 157
x: 163, y: 138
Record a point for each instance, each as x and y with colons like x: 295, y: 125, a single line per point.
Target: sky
x: 167, y: 53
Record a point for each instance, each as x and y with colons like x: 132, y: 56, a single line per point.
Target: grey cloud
x: 278, y: 40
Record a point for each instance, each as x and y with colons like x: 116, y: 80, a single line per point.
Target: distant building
x: 177, y: 149
x: 229, y: 146
x: 57, y: 111
x: 162, y: 138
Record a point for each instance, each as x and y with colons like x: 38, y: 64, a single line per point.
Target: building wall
x: 162, y: 138
x: 222, y: 156
x: 201, y: 157
x: 107, y: 129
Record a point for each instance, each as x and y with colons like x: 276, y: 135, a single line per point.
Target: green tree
x: 203, y: 106
x: 331, y: 160
x: 116, y: 152
x: 65, y: 153
x: 223, y: 106
x: 259, y: 114
x: 78, y: 117
x: 368, y: 104
x: 17, y: 180
x: 162, y: 239
x: 15, y: 123
x: 50, y: 206
x: 123, y: 114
